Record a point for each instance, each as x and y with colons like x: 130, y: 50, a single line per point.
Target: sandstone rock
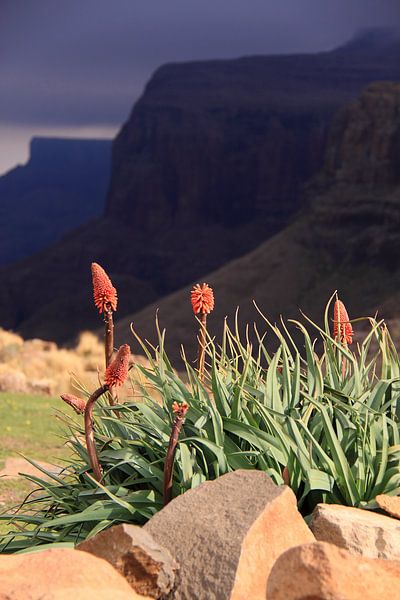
x: 361, y: 532
x: 226, y: 535
x: 390, y: 504
x: 148, y: 568
x: 61, y: 574
x: 321, y: 571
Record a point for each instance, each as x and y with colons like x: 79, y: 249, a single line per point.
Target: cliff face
x: 229, y: 142
x: 63, y: 185
x: 364, y: 146
x: 347, y: 239
x: 211, y: 163
x: 357, y: 194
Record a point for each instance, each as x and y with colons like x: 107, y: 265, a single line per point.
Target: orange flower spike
x: 342, y: 328
x: 104, y: 293
x: 76, y: 403
x: 180, y: 408
x: 202, y: 298
x: 117, y: 372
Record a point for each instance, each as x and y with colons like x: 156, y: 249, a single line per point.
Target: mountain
x: 212, y: 162
x: 63, y: 185
x: 348, y: 238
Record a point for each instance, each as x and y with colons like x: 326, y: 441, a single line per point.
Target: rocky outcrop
x: 148, y: 567
x: 364, y: 144
x: 63, y: 185
x: 347, y: 239
x: 211, y: 163
x: 226, y: 535
x: 61, y: 574
x: 390, y: 504
x: 361, y: 532
x: 320, y: 571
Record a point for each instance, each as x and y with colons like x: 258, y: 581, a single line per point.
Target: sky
x: 75, y: 67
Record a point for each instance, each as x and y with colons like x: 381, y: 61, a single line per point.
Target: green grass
x: 30, y: 428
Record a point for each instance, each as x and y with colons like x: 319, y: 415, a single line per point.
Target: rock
x: 321, y: 571
x: 12, y: 380
x: 148, y: 568
x: 226, y: 535
x: 390, y: 504
x: 61, y: 574
x: 361, y: 532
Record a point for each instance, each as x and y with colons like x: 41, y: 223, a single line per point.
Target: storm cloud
x: 82, y: 63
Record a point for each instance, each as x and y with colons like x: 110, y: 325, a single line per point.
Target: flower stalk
x: 201, y: 355
x: 202, y: 298
x: 106, y: 300
x: 180, y: 410
x: 89, y: 433
x: 342, y: 329
x: 76, y: 403
x: 115, y: 375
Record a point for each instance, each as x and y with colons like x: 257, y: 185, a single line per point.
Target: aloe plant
x: 331, y: 432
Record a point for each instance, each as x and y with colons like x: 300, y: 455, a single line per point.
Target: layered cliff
x: 212, y: 162
x: 63, y: 185
x: 347, y: 239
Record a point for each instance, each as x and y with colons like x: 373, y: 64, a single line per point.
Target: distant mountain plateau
x: 274, y: 178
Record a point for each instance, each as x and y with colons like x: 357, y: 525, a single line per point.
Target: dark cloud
x: 83, y: 62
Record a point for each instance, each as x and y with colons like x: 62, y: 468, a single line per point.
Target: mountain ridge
x: 193, y: 187
x: 62, y: 185
x: 348, y: 240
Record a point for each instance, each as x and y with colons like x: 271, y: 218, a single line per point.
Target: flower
x: 342, y: 328
x: 117, y: 372
x: 180, y: 409
x: 202, y: 298
x: 77, y: 403
x: 104, y: 293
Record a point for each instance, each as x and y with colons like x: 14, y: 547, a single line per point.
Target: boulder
x: 321, y: 571
x: 61, y: 574
x: 390, y: 504
x: 226, y: 535
x: 148, y: 568
x: 361, y: 532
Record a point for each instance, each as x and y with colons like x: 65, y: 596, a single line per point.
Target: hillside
x: 63, y: 184
x: 211, y: 163
x: 348, y: 239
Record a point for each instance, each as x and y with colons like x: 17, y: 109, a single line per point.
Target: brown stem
x: 344, y: 362
x: 89, y: 432
x: 169, y: 460
x: 343, y: 367
x: 109, y: 349
x: 108, y: 335
x: 202, y: 345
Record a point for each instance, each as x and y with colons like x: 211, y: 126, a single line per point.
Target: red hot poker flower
x: 202, y: 298
x: 104, y: 293
x: 77, y: 403
x: 117, y: 372
x: 342, y: 328
x: 180, y: 408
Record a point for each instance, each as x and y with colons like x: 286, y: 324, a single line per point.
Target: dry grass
x: 40, y: 367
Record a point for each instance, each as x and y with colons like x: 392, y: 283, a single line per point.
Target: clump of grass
x: 332, y: 435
